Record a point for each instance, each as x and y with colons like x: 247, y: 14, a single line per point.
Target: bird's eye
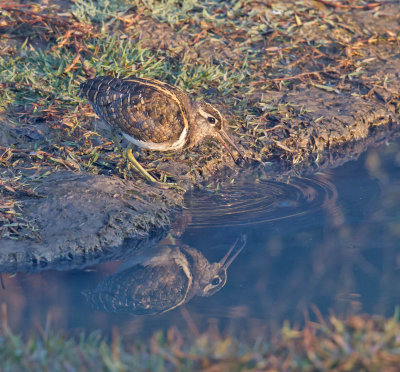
x: 216, y: 281
x: 211, y: 120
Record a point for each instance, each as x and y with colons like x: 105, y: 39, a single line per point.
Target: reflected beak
x: 224, y: 139
x: 233, y: 252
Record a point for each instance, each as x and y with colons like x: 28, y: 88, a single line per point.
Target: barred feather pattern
x: 142, y: 289
x: 147, y: 110
x: 162, y: 279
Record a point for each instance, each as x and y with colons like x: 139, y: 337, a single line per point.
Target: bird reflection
x: 163, y: 280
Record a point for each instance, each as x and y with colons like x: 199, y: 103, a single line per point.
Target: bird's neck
x: 195, y: 133
x: 198, y: 264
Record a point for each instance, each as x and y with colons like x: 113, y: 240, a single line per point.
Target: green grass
x: 39, y: 77
x: 88, y: 11
x: 225, y: 52
x: 232, y: 53
x: 42, y: 81
x: 240, y: 55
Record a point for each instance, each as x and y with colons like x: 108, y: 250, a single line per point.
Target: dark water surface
x: 329, y: 241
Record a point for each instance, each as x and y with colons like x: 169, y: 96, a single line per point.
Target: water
x: 326, y: 243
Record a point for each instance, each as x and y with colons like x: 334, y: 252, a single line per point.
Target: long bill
x: 233, y: 252
x: 224, y: 138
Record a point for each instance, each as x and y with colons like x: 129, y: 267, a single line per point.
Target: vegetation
x: 245, y: 56
x: 223, y: 51
x: 360, y: 343
x: 269, y: 66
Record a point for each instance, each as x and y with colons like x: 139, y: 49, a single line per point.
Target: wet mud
x: 314, y: 121
x: 79, y: 220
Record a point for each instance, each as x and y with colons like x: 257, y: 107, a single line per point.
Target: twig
x: 304, y: 74
x: 337, y: 5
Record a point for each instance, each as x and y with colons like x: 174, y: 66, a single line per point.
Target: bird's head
x: 215, y: 277
x: 210, y: 122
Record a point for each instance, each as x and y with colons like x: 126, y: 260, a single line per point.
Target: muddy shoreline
x: 311, y: 118
x: 81, y: 220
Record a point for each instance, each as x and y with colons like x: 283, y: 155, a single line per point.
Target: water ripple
x: 249, y: 202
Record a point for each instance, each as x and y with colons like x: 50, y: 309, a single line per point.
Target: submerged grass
x: 359, y: 343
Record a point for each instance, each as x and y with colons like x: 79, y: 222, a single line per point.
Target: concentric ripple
x: 249, y: 202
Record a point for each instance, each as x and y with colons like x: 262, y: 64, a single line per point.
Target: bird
x: 162, y: 281
x: 155, y: 115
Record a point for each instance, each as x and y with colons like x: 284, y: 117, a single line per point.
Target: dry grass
x: 359, y: 343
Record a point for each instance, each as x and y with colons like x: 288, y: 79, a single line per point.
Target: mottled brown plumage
x: 163, y: 280
x: 153, y: 114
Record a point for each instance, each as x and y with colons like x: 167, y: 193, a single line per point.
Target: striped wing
x: 147, y: 111
x: 142, y: 290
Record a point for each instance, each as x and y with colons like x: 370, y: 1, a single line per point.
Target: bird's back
x: 142, y: 289
x: 153, y: 114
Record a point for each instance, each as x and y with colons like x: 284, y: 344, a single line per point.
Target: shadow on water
x: 328, y: 242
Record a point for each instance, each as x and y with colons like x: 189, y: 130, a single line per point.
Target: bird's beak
x: 224, y: 139
x: 233, y: 252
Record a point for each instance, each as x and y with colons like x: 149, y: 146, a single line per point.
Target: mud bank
x: 77, y: 220
x: 80, y: 219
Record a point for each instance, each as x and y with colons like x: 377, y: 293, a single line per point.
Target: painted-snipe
x: 162, y: 280
x: 154, y: 115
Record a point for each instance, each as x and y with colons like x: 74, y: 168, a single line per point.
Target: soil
x: 319, y: 120
x: 80, y: 219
